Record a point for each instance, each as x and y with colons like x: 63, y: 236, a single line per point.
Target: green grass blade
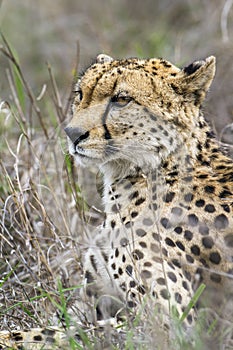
x: 192, y: 302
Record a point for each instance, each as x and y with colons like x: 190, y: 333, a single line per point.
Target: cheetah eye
x: 79, y: 95
x: 121, y: 100
x: 78, y: 92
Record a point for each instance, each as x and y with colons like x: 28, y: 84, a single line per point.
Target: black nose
x: 76, y: 134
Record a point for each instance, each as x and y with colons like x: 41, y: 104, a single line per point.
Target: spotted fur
x: 167, y: 183
x: 168, y: 186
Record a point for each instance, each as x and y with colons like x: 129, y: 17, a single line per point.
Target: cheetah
x: 168, y: 186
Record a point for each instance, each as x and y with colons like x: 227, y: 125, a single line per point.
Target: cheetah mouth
x: 78, y: 152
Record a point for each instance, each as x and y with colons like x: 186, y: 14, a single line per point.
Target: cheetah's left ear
x: 196, y: 78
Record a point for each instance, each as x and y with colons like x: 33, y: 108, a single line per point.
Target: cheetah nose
x: 76, y: 134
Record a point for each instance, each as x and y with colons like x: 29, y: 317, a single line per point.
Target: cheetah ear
x: 102, y: 58
x: 195, y: 79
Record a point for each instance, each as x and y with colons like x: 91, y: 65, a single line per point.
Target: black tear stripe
x: 107, y: 134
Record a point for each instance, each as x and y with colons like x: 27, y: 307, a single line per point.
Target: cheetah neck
x: 179, y: 171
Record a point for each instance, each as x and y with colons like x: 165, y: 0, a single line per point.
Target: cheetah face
x: 120, y: 129
x: 130, y: 112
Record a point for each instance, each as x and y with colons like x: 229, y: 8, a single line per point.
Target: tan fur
x: 168, y: 187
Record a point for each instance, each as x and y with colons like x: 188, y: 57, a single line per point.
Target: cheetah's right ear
x: 102, y: 58
x: 194, y: 80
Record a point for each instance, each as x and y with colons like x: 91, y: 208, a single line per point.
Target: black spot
x: 154, y: 248
x: 124, y: 242
x: 225, y: 194
x: 116, y: 252
x: 120, y: 271
x: 169, y: 242
x: 225, y: 207
x: 177, y: 211
x: 185, y: 285
x: 229, y: 240
x: 180, y: 245
x: 155, y: 206
x: 37, y: 338
x: 137, y: 254
x: 161, y: 281
x: 116, y: 208
x: 165, y: 223
x: 152, y: 116
x: 147, y: 222
x: 195, y: 250
x: 105, y: 256
x: 89, y: 277
x: 143, y: 244
x: 141, y: 289
x: 189, y: 258
x: 128, y: 224
x: 140, y: 232
x: 134, y: 195
x: 47, y: 331
x: 146, y: 274
x: 131, y: 304
x: 200, y: 203
x: 188, y: 197
x: 93, y: 262
x: 164, y: 251
x: 209, y: 208
x: 188, y: 235
x: 153, y: 130
x: 132, y: 284
x: 116, y: 276
x: 18, y: 337
x: 204, y: 263
x: 203, y: 229
x: 221, y: 222
x: 207, y: 242
x: 192, y: 220
x: 178, y: 298
x: 176, y: 263
x: 113, y: 266
x: 172, y: 276
x: 188, y: 275
x: 134, y: 214
x: 113, y: 223
x: 188, y: 178
x: 215, y: 258
x: 129, y: 269
x: 123, y: 258
x: 190, y: 319
x: 178, y: 230
x: 169, y: 197
x: 165, y: 294
x: 140, y: 201
x: 156, y: 236
x: 50, y: 340
x: 123, y: 286
x: 209, y: 189
x: 215, y: 277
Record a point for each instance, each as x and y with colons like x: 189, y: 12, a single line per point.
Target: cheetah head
x: 134, y: 112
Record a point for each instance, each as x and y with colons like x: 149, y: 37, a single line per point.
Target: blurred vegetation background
x: 180, y: 31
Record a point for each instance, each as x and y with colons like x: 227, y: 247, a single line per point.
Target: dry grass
x: 39, y: 200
